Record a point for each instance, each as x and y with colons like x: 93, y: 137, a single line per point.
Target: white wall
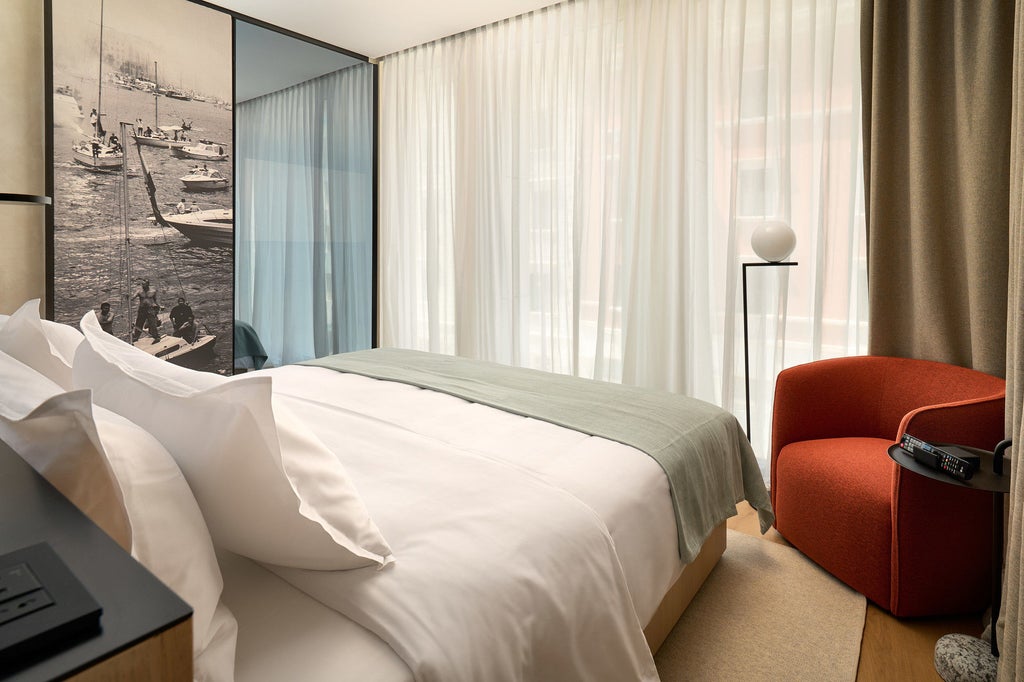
x: 23, y: 171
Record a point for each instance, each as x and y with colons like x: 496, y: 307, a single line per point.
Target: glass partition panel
x: 304, y: 188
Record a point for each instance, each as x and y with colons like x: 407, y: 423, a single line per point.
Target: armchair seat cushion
x: 852, y: 478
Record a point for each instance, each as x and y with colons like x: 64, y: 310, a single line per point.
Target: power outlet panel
x: 43, y: 606
x: 24, y: 605
x: 17, y: 580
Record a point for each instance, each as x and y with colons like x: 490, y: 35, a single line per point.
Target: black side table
x: 993, y: 476
x: 146, y: 629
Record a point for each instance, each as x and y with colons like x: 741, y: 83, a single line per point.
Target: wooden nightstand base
x: 166, y: 657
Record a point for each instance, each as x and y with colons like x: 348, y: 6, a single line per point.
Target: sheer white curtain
x: 304, y: 224
x: 574, y: 190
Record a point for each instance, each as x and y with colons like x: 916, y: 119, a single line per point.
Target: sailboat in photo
x: 94, y: 153
x: 157, y: 136
x: 189, y: 346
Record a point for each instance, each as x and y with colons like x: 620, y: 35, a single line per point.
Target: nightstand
x: 962, y: 656
x: 145, y: 628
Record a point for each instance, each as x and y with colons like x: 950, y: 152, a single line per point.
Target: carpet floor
x: 766, y: 613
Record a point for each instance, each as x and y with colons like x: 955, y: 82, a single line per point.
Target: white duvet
x: 523, y: 550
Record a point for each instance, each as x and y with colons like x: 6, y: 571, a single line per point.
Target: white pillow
x: 121, y: 477
x: 170, y: 538
x: 54, y: 431
x: 269, y: 490
x: 46, y: 347
x: 64, y: 339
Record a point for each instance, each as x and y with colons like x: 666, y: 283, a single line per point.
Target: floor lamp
x: 773, y: 241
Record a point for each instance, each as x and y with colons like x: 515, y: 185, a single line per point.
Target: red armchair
x: 912, y: 545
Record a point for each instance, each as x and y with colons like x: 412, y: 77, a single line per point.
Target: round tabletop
x: 983, y: 479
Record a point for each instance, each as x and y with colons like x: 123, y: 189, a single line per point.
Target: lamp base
x: 962, y: 658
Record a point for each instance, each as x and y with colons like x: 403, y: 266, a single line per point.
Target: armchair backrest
x: 868, y: 396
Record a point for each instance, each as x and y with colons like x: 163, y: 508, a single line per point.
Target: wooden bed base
x: 683, y: 590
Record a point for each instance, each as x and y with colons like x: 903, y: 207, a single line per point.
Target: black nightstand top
x: 136, y: 605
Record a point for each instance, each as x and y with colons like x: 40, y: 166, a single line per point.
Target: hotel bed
x: 485, y: 544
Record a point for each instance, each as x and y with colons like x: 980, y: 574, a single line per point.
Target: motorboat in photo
x: 202, y: 151
x: 212, y: 226
x: 209, y: 227
x: 204, y: 180
x: 176, y: 94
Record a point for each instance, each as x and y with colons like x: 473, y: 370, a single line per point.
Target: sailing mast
x: 95, y: 153
x: 127, y: 241
x: 156, y: 99
x: 200, y: 343
x: 99, y: 96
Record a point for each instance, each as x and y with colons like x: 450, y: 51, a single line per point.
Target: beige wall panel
x: 22, y: 100
x: 22, y: 137
x: 22, y: 262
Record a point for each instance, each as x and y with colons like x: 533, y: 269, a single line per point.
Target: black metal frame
x: 746, y: 342
x: 9, y: 198
x: 238, y: 16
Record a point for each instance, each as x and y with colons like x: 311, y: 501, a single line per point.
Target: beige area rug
x: 766, y: 613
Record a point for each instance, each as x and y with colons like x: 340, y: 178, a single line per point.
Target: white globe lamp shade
x: 773, y: 241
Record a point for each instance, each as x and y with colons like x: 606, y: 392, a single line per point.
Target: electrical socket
x: 16, y: 580
x: 24, y: 605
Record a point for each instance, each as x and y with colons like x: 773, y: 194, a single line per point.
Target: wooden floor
x: 892, y: 648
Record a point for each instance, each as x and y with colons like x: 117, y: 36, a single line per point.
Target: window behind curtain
x: 574, y: 190
x: 304, y: 242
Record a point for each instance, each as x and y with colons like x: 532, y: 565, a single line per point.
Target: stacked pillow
x: 269, y: 490
x: 129, y: 485
x: 47, y: 347
x: 171, y: 462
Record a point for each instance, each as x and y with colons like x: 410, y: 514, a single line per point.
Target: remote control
x: 960, y: 468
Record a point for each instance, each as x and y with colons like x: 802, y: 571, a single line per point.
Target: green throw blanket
x: 709, y: 462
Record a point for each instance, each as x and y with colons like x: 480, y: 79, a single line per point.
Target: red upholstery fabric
x: 898, y: 538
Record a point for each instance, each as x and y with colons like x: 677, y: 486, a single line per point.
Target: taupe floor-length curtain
x: 936, y: 84
x: 1011, y: 662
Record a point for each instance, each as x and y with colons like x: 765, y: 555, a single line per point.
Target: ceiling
x: 381, y: 27
x: 267, y: 61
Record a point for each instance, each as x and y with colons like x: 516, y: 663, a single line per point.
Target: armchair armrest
x: 977, y: 423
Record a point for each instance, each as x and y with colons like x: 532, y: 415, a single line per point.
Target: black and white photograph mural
x: 142, y: 154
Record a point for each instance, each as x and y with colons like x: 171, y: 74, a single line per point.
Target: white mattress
x: 283, y: 634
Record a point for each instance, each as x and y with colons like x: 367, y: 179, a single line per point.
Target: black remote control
x: 960, y: 468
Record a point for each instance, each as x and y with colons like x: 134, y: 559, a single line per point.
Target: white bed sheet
x: 608, y: 499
